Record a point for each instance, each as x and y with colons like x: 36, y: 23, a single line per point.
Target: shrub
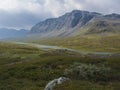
x: 88, y: 72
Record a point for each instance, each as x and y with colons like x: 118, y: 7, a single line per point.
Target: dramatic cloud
x: 26, y: 13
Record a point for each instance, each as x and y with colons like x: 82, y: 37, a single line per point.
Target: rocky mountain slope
x: 76, y: 21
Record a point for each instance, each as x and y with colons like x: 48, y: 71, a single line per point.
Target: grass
x: 84, y: 85
x: 99, y: 43
x: 23, y: 67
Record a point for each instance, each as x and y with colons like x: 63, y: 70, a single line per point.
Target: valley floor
x: 26, y: 67
x: 95, y: 43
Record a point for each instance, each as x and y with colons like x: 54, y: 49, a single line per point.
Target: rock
x: 53, y: 83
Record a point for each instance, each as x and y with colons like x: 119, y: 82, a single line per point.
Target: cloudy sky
x: 25, y: 13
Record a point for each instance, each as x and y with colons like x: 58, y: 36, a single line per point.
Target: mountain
x: 78, y: 22
x: 113, y: 15
x: 12, y: 33
x: 80, y: 30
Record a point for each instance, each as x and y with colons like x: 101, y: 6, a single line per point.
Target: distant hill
x: 102, y: 26
x: 78, y: 22
x: 12, y: 33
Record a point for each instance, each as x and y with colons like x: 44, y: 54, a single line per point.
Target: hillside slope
x: 25, y: 67
x: 103, y: 25
x: 76, y: 21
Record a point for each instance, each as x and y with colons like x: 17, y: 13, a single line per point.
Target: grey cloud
x: 50, y: 8
x: 103, y: 6
x: 41, y: 1
x: 21, y: 20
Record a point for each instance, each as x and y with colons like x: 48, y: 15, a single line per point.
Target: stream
x: 47, y: 47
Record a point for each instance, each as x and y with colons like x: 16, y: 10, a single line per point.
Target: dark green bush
x: 88, y: 72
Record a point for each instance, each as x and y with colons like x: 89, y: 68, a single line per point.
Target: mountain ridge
x: 69, y: 23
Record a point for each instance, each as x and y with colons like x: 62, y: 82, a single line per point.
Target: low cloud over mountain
x: 26, y: 13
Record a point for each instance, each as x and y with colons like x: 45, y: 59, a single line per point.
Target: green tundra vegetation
x: 24, y: 67
x: 93, y: 42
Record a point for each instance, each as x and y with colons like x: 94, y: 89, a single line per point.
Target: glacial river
x: 47, y: 47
